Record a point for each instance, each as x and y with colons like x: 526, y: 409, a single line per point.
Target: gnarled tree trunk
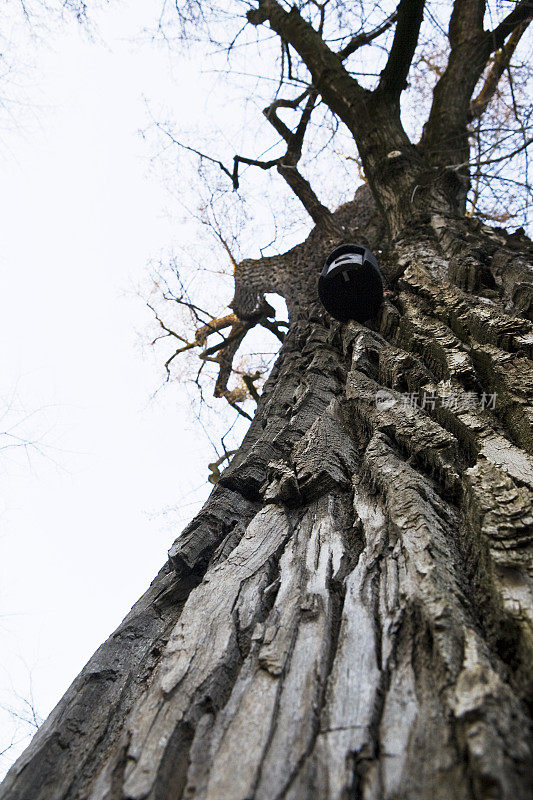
x: 350, y: 613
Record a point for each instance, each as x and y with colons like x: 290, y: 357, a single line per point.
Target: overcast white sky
x: 79, y: 219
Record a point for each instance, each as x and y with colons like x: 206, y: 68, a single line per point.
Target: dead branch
x: 214, y: 466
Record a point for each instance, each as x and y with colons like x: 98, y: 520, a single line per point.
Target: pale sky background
x: 80, y: 217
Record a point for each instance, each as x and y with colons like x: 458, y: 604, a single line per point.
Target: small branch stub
x: 350, y: 285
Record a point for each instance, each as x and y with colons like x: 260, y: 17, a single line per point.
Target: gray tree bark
x: 350, y: 615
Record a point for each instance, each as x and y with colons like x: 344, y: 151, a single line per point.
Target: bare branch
x: 270, y: 113
x: 362, y: 39
x: 341, y: 91
x: 287, y: 165
x: 505, y: 157
x: 501, y: 62
x: 214, y: 466
x: 167, y: 330
x: 445, y: 136
x: 214, y: 326
x: 523, y: 12
x: 175, y: 141
x: 394, y: 77
x: 233, y: 175
x: 274, y: 327
x: 252, y: 162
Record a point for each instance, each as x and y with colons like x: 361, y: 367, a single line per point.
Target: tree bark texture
x: 350, y: 615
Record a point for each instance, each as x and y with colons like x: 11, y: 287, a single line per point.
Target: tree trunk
x: 350, y: 614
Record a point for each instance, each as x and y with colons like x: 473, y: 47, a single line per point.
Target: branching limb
x: 445, y: 137
x: 271, y: 114
x: 254, y: 277
x: 339, y: 89
x: 227, y: 351
x: 371, y: 117
x: 223, y: 352
x: 287, y: 165
x: 320, y: 214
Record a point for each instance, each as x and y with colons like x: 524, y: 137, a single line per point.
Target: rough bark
x: 350, y: 615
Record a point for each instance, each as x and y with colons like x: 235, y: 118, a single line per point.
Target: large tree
x: 350, y: 613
